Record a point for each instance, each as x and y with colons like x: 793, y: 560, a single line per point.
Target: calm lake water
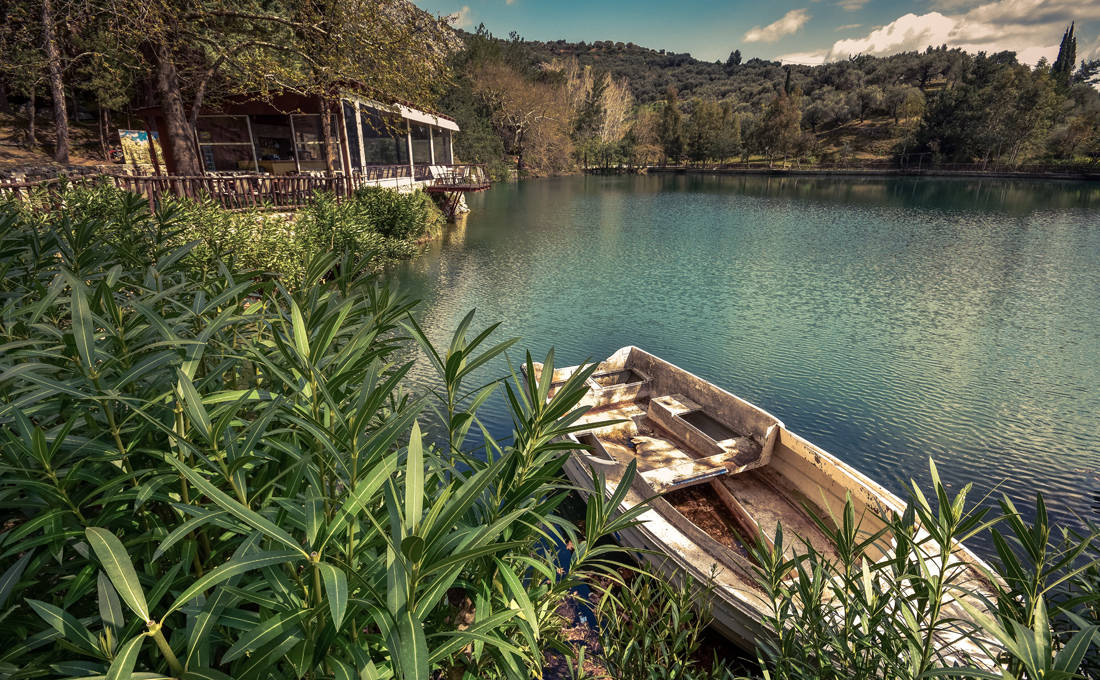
x: 886, y: 320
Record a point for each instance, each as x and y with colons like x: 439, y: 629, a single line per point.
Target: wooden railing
x: 246, y: 191
x: 462, y: 175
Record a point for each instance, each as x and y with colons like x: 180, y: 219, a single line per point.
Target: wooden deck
x: 452, y: 182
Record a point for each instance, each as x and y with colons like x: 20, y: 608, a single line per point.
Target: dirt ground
x: 13, y: 152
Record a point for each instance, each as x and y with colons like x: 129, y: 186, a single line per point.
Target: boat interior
x: 703, y: 450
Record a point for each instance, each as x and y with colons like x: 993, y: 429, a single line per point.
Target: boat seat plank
x: 682, y: 476
x: 677, y: 404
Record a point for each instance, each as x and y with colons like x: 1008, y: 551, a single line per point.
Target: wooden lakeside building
x: 283, y: 135
x: 276, y: 152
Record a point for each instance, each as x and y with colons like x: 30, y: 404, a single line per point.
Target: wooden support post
x: 359, y: 136
x: 294, y: 143
x: 409, y: 141
x: 344, y: 144
x: 252, y: 141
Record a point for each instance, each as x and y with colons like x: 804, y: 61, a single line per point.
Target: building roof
x: 406, y: 110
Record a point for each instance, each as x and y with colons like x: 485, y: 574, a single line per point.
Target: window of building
x: 441, y: 138
x: 274, y: 141
x: 353, y: 135
x: 310, y: 139
x: 225, y: 144
x: 383, y: 141
x: 421, y: 143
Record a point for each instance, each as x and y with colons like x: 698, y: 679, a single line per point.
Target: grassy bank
x: 211, y: 469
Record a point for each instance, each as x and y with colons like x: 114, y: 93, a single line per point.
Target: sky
x: 792, y: 31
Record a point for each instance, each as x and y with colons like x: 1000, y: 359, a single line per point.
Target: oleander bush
x: 885, y: 602
x: 207, y: 474
x: 397, y: 215
x: 881, y: 604
x: 210, y: 471
x: 375, y: 226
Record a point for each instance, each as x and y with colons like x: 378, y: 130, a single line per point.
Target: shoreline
x: 878, y: 172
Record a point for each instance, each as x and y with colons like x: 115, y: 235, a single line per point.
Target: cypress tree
x: 1062, y: 70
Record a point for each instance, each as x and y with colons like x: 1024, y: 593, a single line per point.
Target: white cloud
x: 805, y: 58
x: 848, y: 27
x: 852, y: 5
x: 461, y: 18
x: 1031, y: 28
x: 790, y: 23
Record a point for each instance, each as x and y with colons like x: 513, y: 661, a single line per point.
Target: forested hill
x: 651, y: 72
x: 947, y: 104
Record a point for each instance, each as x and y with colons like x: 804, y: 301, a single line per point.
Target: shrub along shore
x: 211, y: 467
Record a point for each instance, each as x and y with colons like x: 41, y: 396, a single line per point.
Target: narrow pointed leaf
x: 236, y: 565
x: 12, y: 575
x: 253, y: 519
x: 123, y: 665
x: 336, y: 590
x: 110, y: 609
x: 64, y: 623
x: 116, y: 562
x: 414, y: 480
x: 414, y: 647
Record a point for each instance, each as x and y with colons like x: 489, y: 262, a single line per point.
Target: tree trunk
x: 102, y: 125
x: 5, y: 105
x: 180, y: 138
x: 32, y: 114
x: 57, y: 87
x: 326, y: 130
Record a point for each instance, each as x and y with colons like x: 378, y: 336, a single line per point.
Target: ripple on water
x: 888, y: 321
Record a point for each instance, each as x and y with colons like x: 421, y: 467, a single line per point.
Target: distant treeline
x: 551, y: 106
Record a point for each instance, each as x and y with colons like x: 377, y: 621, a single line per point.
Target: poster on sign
x: 135, y: 147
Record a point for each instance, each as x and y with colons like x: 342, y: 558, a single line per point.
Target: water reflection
x: 942, y: 194
x: 888, y: 320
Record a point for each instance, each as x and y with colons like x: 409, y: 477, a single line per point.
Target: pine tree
x: 1062, y: 70
x: 670, y: 129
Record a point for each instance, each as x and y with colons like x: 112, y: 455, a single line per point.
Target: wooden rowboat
x: 720, y: 472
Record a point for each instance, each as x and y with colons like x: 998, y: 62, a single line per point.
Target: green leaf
x: 256, y: 521
x: 360, y: 496
x: 236, y: 565
x: 123, y: 664
x: 66, y: 624
x: 281, y: 624
x: 110, y: 609
x: 342, y: 671
x: 12, y: 575
x: 83, y: 327
x: 412, y: 547
x: 414, y: 480
x: 1069, y: 658
x: 336, y: 589
x: 519, y: 594
x: 116, y: 562
x: 301, y: 337
x: 192, y: 403
x: 204, y: 674
x: 414, y: 648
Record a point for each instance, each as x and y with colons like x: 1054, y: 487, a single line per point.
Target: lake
x: 888, y: 320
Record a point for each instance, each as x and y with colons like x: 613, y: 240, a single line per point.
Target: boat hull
x: 796, y: 472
